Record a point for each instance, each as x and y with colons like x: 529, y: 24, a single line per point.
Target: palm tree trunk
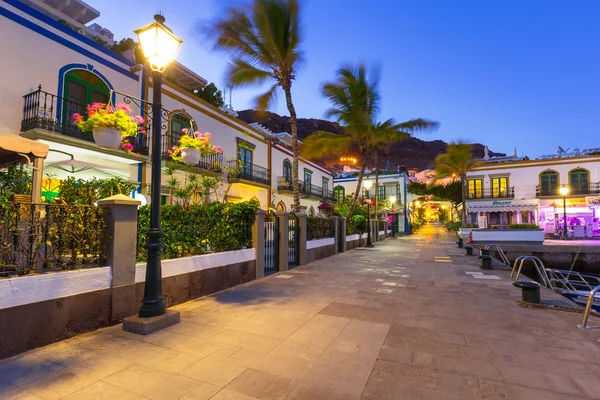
x: 358, y: 187
x: 376, y: 186
x: 463, y: 182
x: 296, y: 190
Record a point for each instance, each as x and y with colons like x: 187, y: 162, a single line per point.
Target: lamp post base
x: 147, y: 325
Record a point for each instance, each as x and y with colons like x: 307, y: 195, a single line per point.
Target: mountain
x: 411, y: 153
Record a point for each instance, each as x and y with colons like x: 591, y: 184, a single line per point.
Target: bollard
x: 486, y: 262
x: 469, y: 250
x: 530, y: 291
x: 484, y: 252
x: 460, y: 243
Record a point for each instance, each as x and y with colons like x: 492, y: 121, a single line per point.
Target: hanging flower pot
x: 190, y: 156
x: 108, y: 137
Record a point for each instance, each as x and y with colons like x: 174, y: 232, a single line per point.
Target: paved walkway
x: 400, y: 321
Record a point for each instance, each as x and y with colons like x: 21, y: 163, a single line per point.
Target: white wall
x: 524, y: 176
x: 389, y: 181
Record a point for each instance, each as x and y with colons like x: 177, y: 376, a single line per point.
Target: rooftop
x: 76, y: 10
x: 184, y: 77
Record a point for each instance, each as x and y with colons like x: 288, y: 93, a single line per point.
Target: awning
x: 14, y: 147
x: 507, y: 208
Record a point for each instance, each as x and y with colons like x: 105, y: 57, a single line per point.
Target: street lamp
x: 393, y: 201
x: 564, y: 191
x: 159, y: 45
x: 368, y: 183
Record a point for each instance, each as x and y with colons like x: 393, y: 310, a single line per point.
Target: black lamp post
x: 159, y: 45
x: 394, y: 220
x: 564, y: 191
x: 368, y: 185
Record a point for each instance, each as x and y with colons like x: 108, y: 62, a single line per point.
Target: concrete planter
x: 524, y: 236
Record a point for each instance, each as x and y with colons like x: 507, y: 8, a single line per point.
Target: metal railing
x: 553, y: 190
x: 588, y: 307
x: 49, y: 236
x: 43, y: 110
x: 537, y: 263
x: 499, y: 250
x: 284, y: 184
x: 249, y: 172
x: 211, y: 162
x: 508, y: 193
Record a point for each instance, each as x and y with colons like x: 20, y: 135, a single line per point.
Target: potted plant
x: 193, y: 147
x: 109, y: 125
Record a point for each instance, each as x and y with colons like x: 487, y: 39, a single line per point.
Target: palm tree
x: 355, y: 104
x: 456, y: 162
x: 264, y: 42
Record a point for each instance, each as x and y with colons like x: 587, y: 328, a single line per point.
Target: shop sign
x: 592, y: 201
x: 504, y: 203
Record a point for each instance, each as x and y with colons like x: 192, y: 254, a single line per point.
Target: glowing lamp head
x: 393, y: 199
x: 443, y: 206
x: 564, y: 190
x: 158, y: 43
x: 417, y: 203
x: 368, y: 183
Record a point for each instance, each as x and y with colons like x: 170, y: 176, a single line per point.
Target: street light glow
x: 564, y: 190
x: 368, y: 183
x: 393, y: 199
x: 158, y: 43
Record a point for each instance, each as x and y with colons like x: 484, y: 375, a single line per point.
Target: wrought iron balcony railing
x: 581, y: 189
x: 211, y: 162
x: 285, y: 185
x: 43, y: 110
x: 499, y: 193
x: 249, y: 172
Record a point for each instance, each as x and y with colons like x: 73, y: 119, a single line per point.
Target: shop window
x: 179, y: 122
x: 548, y: 183
x: 340, y: 193
x: 287, y: 171
x: 579, y: 181
x: 500, y: 187
x: 475, y: 189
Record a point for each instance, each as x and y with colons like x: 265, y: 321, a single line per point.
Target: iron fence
x: 271, y: 243
x: 293, y: 241
x: 45, y: 237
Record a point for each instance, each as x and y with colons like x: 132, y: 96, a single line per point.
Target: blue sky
x: 507, y: 73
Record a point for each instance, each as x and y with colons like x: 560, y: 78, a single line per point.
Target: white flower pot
x: 108, y: 137
x: 190, y: 156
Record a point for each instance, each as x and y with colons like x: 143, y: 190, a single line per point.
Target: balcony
x: 43, y: 110
x: 284, y: 185
x: 210, y: 163
x: 508, y: 193
x: 574, y: 190
x: 249, y: 172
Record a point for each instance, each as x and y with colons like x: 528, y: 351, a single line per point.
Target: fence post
x: 374, y: 231
x: 342, y: 235
x: 121, y: 217
x: 283, y: 218
x: 336, y: 234
x: 302, y: 220
x: 258, y: 242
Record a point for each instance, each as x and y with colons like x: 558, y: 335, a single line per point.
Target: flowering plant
x: 104, y: 115
x: 197, y: 141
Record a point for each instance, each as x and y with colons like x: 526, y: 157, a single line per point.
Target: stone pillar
x: 336, y: 233
x: 284, y: 238
x: 374, y: 231
x: 120, y: 246
x: 258, y: 242
x: 342, y: 228
x: 36, y: 180
x: 302, y: 220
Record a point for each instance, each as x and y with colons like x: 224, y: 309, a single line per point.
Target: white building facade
x: 527, y: 191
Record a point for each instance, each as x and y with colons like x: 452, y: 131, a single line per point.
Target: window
x: 500, y: 187
x: 245, y: 156
x: 548, y: 183
x: 179, y: 122
x: 382, y: 192
x: 579, y: 181
x: 475, y: 189
x: 340, y: 193
x: 287, y: 171
x: 82, y: 87
x: 307, y: 178
x: 281, y: 206
x: 398, y: 197
x: 325, y: 185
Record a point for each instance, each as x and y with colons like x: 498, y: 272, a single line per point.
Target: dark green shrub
x: 356, y: 224
x: 319, y: 228
x: 200, y: 229
x: 453, y: 226
x: 523, y: 226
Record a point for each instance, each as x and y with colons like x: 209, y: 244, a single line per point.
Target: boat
x: 574, y: 286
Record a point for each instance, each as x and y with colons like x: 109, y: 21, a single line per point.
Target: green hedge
x: 453, y: 226
x: 200, y: 229
x: 319, y: 228
x: 356, y: 224
x: 523, y: 226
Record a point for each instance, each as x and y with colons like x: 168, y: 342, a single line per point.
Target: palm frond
x: 264, y: 101
x: 239, y: 73
x: 320, y: 144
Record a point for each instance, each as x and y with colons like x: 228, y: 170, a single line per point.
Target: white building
x: 53, y: 71
x: 390, y: 184
x: 527, y: 191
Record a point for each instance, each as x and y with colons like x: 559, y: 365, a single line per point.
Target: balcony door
x: 475, y: 189
x: 81, y: 88
x: 500, y: 187
x: 579, y: 180
x: 245, y: 160
x: 548, y: 183
x: 287, y: 173
x: 179, y: 123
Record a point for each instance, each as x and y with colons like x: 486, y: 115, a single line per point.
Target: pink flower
x: 138, y: 119
x: 124, y: 107
x: 174, y: 147
x: 218, y: 149
x: 208, y: 134
x: 76, y: 116
x: 185, y: 130
x: 198, y: 135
